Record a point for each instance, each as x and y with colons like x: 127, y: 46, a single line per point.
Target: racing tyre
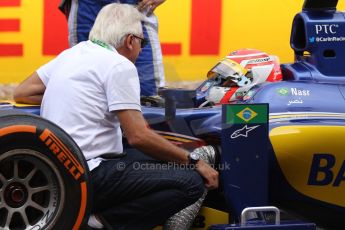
x: 43, y: 175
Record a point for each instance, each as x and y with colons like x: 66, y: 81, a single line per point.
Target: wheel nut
x: 17, y: 195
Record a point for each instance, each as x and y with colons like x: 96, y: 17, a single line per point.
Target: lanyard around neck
x: 103, y: 44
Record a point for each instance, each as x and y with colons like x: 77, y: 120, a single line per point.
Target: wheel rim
x: 31, y: 194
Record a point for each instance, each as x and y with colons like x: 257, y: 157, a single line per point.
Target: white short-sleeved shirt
x: 84, y: 84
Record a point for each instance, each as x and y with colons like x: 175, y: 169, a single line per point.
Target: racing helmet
x: 238, y: 72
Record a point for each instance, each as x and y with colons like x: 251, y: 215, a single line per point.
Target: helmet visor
x: 227, y: 68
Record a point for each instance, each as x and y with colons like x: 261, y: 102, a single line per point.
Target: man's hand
x: 209, y: 174
x: 149, y: 5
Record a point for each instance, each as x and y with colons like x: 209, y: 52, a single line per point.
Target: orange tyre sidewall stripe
x: 32, y: 129
x: 17, y: 129
x: 82, y: 209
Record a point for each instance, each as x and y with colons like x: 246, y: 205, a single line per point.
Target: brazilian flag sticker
x: 247, y: 114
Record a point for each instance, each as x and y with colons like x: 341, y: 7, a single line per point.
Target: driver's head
x: 240, y: 71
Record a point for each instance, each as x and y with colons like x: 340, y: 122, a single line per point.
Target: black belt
x: 109, y: 156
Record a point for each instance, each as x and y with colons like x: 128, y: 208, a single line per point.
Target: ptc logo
x: 283, y: 91
x: 327, y: 29
x: 247, y: 114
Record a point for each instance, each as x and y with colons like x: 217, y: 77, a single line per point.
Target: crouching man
x: 92, y: 91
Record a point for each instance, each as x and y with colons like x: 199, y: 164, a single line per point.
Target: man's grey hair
x: 114, y: 22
